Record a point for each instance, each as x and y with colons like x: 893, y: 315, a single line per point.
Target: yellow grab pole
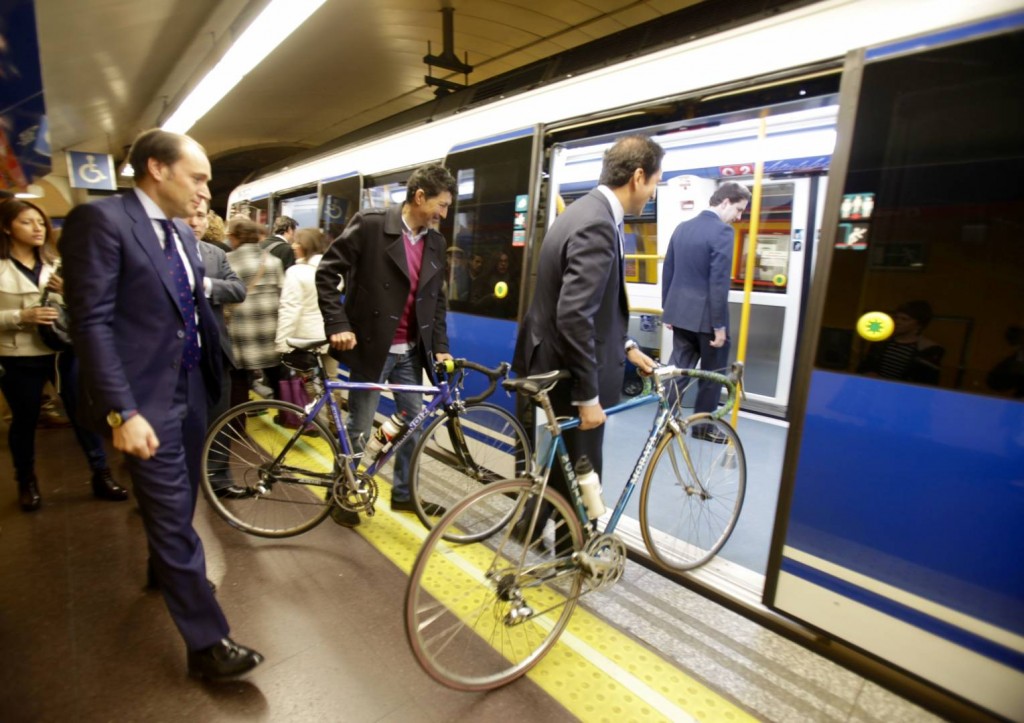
x: 748, y: 278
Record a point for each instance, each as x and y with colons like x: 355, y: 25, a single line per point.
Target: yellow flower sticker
x: 875, y: 326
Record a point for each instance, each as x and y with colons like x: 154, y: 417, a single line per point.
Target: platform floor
x: 82, y: 641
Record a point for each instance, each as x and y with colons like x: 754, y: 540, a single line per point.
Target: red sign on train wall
x: 739, y: 169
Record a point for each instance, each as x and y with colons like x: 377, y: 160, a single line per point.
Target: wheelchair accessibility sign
x: 94, y: 171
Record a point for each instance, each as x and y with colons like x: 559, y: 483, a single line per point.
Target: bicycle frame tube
x: 558, y: 445
x: 442, y: 395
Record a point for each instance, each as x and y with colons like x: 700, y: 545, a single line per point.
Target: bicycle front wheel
x: 458, y: 454
x: 481, y: 614
x: 692, y: 493
x: 265, y: 478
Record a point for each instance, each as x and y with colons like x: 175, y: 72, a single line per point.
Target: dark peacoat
x: 370, y: 256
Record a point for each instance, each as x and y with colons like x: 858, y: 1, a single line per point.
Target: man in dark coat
x: 579, y: 313
x: 695, y: 292
x: 392, y: 321
x: 150, y: 360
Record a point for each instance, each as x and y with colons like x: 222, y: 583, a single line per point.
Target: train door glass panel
x: 339, y: 201
x: 487, y: 226
x: 904, y: 533
x: 301, y: 206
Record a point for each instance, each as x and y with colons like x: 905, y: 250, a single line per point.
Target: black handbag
x: 57, y: 336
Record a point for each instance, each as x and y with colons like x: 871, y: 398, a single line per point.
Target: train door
x: 339, y: 201
x: 488, y: 228
x: 899, y: 529
x: 778, y: 284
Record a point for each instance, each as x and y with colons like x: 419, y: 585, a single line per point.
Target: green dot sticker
x: 501, y: 289
x: 875, y: 326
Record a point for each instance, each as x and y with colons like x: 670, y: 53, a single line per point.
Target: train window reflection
x: 929, y: 232
x: 487, y: 228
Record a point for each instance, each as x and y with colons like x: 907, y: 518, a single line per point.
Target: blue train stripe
x: 943, y: 37
x: 492, y: 140
x: 887, y: 606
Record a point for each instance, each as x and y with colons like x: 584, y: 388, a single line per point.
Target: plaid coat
x: 253, y: 323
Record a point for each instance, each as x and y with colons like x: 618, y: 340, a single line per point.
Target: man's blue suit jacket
x: 697, y: 274
x: 127, y: 327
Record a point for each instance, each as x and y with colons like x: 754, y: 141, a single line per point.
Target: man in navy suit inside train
x: 150, y: 357
x: 579, y: 313
x: 695, y: 292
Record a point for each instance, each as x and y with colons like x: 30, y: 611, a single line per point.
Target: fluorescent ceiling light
x: 274, y: 24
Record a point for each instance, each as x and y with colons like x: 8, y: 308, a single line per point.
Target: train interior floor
x: 84, y: 641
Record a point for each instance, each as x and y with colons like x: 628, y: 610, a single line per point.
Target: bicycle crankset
x: 358, y: 496
x: 604, y: 561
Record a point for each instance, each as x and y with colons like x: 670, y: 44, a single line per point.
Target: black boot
x: 105, y: 488
x: 28, y: 497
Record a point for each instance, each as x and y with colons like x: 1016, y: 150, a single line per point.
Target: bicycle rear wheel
x: 271, y: 497
x: 457, y: 454
x: 692, y: 493
x: 481, y: 614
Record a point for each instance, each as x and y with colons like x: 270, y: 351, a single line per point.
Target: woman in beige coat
x: 26, y: 268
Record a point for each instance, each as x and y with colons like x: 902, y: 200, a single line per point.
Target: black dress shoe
x: 708, y: 433
x: 345, y: 518
x: 429, y: 508
x: 222, y: 661
x: 28, y: 494
x: 153, y: 584
x: 105, y: 488
x: 231, y: 492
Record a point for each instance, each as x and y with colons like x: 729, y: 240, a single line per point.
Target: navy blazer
x: 127, y: 326
x: 579, y: 313
x: 226, y: 288
x: 697, y: 274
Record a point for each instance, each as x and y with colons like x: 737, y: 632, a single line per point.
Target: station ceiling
x: 112, y: 68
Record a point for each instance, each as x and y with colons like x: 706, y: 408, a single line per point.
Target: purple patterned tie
x: 187, y: 302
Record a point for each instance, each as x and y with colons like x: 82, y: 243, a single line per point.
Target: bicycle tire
x: 479, y: 615
x: 283, y: 501
x: 458, y: 453
x: 684, y: 524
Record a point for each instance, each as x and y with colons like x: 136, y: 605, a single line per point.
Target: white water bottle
x: 590, y: 487
x: 380, y: 439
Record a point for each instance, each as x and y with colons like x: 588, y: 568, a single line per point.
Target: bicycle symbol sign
x: 94, y: 171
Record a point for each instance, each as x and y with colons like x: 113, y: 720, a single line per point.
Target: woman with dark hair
x: 27, y: 268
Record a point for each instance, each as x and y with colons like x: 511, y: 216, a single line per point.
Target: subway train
x: 887, y: 145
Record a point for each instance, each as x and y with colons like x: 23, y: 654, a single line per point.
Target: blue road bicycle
x: 289, y: 465
x: 498, y: 578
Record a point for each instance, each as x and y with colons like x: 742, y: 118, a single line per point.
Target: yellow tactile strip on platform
x: 595, y: 671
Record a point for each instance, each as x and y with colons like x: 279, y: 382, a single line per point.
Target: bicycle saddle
x: 305, y: 344
x: 536, y: 383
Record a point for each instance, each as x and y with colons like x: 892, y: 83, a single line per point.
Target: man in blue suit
x: 579, y: 314
x: 150, y: 358
x: 695, y: 291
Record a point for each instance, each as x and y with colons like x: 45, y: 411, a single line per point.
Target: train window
x: 775, y: 231
x: 339, y: 201
x: 487, y: 227
x: 303, y: 208
x: 929, y: 228
x: 258, y: 211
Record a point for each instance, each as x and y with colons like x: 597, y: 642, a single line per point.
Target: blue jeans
x: 362, y: 404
